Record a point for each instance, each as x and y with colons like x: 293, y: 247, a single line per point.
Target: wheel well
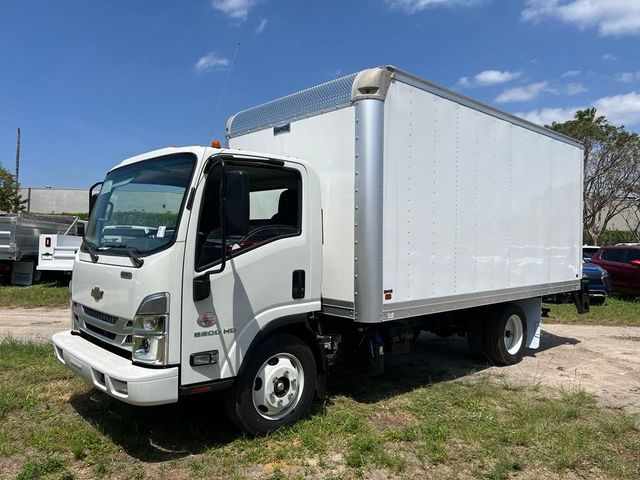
x: 297, y: 325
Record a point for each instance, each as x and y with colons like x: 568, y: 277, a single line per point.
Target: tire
x: 505, y: 335
x: 275, y: 388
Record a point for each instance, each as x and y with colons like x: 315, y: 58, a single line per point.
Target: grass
x: 50, y: 294
x: 623, y: 312
x: 404, y: 424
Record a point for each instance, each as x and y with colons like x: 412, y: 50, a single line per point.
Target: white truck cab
x: 391, y: 206
x: 151, y: 248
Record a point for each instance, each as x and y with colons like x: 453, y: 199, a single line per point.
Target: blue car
x: 599, y: 285
x: 599, y: 282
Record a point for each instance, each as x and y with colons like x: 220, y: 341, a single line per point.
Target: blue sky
x: 93, y: 82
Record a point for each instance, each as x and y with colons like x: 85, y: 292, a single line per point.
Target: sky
x: 93, y: 82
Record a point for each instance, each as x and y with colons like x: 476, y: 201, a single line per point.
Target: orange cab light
x: 216, y: 144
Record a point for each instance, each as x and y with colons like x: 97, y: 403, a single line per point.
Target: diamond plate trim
x: 327, y: 96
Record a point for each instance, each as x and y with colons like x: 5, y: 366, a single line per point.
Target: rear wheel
x: 276, y: 388
x: 505, y: 335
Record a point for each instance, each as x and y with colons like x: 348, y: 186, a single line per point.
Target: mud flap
x: 581, y: 297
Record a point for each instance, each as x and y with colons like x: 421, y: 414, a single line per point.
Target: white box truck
x: 339, y: 221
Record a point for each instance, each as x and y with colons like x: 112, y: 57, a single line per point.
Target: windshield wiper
x: 91, y: 250
x: 132, y: 252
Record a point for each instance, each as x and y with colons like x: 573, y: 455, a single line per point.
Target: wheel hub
x: 513, y: 334
x: 278, y: 386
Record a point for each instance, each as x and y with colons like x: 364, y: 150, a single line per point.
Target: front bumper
x: 115, y: 375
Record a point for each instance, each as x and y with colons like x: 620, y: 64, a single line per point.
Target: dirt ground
x: 604, y: 361
x: 33, y: 323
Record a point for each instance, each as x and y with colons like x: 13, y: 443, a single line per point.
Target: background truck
x: 57, y: 252
x: 340, y: 221
x: 19, y: 243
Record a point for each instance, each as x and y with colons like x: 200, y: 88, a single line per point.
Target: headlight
x: 150, y: 326
x: 149, y: 323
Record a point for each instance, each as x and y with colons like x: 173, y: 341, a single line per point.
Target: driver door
x: 266, y: 273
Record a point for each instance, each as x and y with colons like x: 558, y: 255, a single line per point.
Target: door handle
x: 297, y: 284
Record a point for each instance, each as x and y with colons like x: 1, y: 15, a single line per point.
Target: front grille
x: 595, y: 281
x: 100, y: 316
x: 107, y: 328
x: 100, y: 331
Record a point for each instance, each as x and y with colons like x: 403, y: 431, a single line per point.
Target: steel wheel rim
x: 278, y: 386
x: 513, y: 334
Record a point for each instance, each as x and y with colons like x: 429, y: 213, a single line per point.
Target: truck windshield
x: 139, y: 205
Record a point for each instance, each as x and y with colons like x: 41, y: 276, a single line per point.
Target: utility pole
x: 16, y: 207
x: 18, y: 156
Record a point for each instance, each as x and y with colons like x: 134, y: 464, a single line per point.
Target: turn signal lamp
x: 216, y: 144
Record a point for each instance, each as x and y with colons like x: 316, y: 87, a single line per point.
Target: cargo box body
x: 431, y: 201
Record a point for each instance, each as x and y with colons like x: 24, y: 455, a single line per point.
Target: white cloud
x: 546, y: 116
x: 413, y: 6
x: 628, y: 77
x: 522, y: 94
x: 619, y: 110
x: 489, y: 77
x: 211, y: 61
x: 571, y: 73
x: 575, y: 89
x: 607, y: 57
x: 610, y: 17
x: 235, y: 9
x: 261, y: 25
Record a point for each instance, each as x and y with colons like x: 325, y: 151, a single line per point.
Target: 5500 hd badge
x: 209, y: 333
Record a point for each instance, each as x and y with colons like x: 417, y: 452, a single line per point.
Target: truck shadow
x: 197, y: 424
x: 432, y: 360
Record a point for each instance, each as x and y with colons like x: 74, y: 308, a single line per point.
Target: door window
x: 275, y: 211
x: 614, y: 255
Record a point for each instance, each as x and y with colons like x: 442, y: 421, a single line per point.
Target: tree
x: 611, y: 167
x: 10, y: 200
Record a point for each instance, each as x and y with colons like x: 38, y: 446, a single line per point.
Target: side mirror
x: 201, y: 287
x: 93, y: 195
x: 236, y: 202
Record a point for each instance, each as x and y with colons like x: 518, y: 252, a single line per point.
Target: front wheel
x: 276, y: 388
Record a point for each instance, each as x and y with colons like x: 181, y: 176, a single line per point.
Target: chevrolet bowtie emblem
x: 97, y: 294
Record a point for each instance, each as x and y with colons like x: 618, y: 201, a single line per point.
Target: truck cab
x: 189, y: 254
